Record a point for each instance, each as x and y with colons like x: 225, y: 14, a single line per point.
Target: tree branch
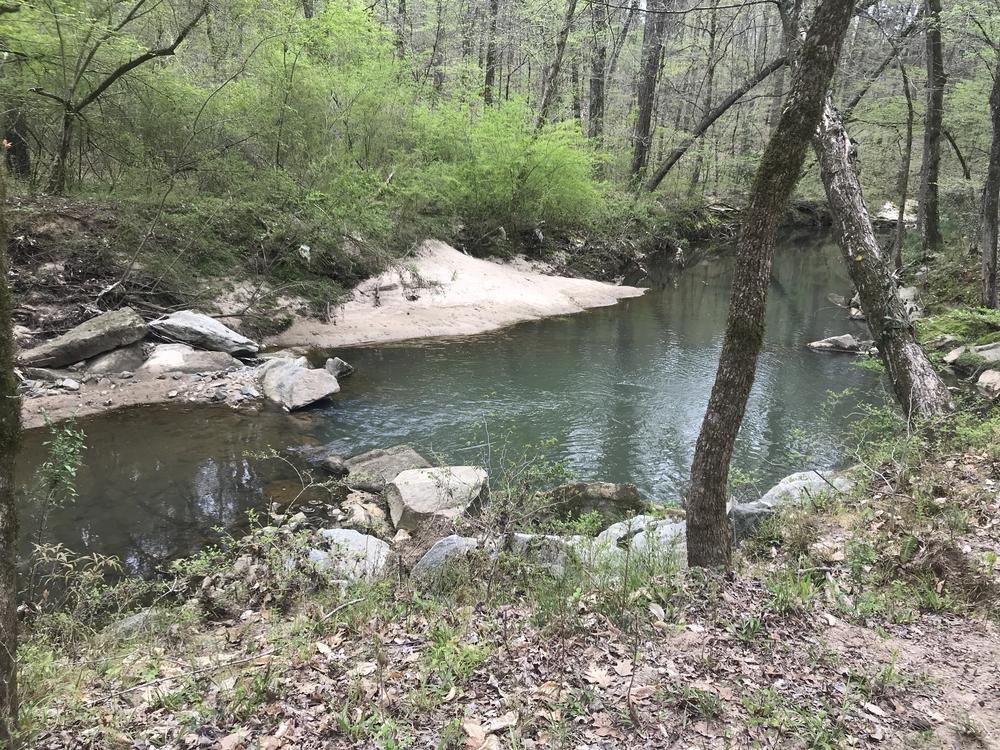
x: 135, y: 62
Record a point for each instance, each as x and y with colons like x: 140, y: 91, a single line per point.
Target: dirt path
x: 443, y: 292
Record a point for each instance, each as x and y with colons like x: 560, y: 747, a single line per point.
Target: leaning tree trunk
x: 708, y: 535
x: 10, y: 432
x: 991, y: 200
x: 929, y: 217
x: 649, y: 70
x: 915, y: 384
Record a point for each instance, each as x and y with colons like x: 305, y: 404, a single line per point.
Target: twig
x: 338, y: 608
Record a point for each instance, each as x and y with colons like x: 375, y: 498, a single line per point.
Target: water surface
x: 619, y: 393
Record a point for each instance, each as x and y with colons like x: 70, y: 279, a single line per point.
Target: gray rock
x: 662, y: 539
x: 350, y: 555
x: 988, y: 352
x: 795, y: 489
x: 293, y: 385
x: 43, y: 374
x: 989, y: 383
x: 205, y: 332
x: 952, y: 357
x: 845, y: 343
x: 625, y: 530
x: 69, y: 384
x: 100, y: 334
x: 549, y: 553
x: 365, y: 513
x: 612, y: 501
x: 338, y: 368
x: 373, y: 470
x: 127, y: 358
x: 182, y: 358
x: 141, y: 623
x: 416, y: 496
x: 335, y: 466
x: 436, y: 564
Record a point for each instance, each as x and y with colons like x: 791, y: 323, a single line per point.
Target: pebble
x: 172, y: 394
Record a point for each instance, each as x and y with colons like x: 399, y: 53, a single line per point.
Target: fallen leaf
x: 623, y: 668
x: 597, y: 675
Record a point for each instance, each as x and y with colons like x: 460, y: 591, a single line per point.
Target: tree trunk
x: 10, y: 433
x: 60, y: 162
x: 915, y: 384
x: 903, y: 182
x: 929, y: 218
x: 649, y: 71
x: 552, y: 79
x: 491, y: 55
x: 16, y: 134
x: 598, y: 64
x: 708, y: 535
x: 991, y: 200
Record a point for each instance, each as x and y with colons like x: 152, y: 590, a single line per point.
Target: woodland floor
x: 827, y: 635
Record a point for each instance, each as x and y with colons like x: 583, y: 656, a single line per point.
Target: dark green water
x: 619, y: 391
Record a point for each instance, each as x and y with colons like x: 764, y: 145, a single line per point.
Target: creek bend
x: 615, y: 393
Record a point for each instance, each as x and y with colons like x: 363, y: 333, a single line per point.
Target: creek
x: 615, y: 393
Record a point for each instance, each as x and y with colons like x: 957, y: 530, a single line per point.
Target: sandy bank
x: 443, y: 292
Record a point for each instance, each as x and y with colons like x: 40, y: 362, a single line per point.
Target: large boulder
x: 439, y: 561
x: 350, y: 555
x: 100, y: 334
x: 183, y: 358
x: 373, y: 470
x: 293, y: 385
x: 202, y: 331
x: 611, y: 501
x: 416, y: 496
x: 127, y: 359
x: 845, y: 343
x: 795, y: 489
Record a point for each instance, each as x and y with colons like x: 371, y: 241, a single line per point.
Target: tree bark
x: 598, y: 65
x: 708, y: 120
x: 649, y: 71
x: 10, y: 433
x: 903, y: 181
x: 929, y: 218
x: 991, y: 200
x: 708, y: 534
x: 490, y: 74
x: 915, y: 384
x: 552, y: 79
x: 16, y: 134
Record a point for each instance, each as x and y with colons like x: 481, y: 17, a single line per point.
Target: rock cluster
x: 395, y: 498
x: 114, y: 346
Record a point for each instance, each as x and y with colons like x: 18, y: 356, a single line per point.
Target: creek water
x: 616, y: 394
